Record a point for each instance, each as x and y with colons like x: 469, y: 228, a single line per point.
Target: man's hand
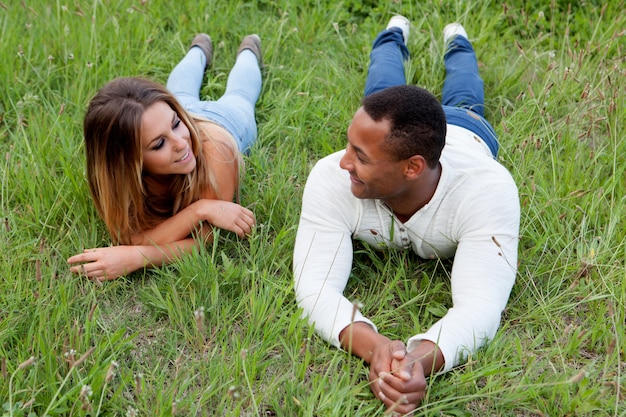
x: 397, y: 377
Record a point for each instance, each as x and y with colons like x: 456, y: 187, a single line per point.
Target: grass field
x: 219, y: 333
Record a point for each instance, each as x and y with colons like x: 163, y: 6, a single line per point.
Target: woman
x: 162, y: 165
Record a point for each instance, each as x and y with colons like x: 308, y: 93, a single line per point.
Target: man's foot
x: 452, y: 30
x: 252, y: 43
x: 401, y: 23
x: 203, y: 41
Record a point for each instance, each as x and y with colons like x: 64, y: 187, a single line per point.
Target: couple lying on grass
x: 163, y: 169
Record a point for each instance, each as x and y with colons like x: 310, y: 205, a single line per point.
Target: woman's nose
x: 179, y: 143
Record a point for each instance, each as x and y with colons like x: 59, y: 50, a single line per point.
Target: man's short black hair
x: 417, y: 121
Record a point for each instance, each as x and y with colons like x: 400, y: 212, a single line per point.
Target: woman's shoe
x: 203, y: 41
x: 253, y: 43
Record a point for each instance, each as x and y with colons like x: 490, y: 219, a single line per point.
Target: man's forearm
x: 360, y: 339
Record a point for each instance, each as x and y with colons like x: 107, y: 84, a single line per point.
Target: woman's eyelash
x: 159, y: 144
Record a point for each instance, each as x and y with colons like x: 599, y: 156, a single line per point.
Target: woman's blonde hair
x: 112, y: 130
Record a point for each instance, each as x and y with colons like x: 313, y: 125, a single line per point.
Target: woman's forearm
x: 178, y: 227
x: 112, y: 262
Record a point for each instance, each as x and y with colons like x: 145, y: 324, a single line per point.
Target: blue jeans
x: 463, y: 97
x: 234, y: 111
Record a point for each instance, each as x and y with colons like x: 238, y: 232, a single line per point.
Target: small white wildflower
x: 233, y: 391
x: 85, y: 392
x: 199, y: 313
x: 111, y: 371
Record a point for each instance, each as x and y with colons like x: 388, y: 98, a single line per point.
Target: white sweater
x: 473, y: 216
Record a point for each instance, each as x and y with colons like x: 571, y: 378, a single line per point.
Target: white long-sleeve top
x: 473, y: 216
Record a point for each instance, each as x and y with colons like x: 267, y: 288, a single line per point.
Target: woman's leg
x: 235, y: 109
x: 387, y: 58
x: 185, y: 79
x: 243, y: 86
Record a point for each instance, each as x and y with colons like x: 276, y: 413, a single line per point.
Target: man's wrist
x: 428, y: 355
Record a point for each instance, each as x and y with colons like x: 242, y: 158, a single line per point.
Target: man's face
x: 374, y: 172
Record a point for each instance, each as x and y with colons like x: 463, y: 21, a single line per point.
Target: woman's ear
x: 414, y: 167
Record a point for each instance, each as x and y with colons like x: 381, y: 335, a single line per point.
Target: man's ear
x: 415, y: 166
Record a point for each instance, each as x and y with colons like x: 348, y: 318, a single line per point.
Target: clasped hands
x: 397, y: 377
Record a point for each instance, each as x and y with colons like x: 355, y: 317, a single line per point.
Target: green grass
x: 219, y: 333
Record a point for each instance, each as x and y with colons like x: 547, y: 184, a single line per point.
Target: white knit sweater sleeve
x: 483, y: 272
x: 323, y: 250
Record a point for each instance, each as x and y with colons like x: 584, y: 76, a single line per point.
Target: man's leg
x: 463, y: 86
x: 463, y: 96
x: 389, y: 51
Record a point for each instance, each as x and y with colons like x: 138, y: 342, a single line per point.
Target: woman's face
x: 165, y: 142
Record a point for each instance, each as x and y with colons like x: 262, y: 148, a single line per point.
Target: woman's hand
x: 103, y: 264
x: 219, y: 213
x: 228, y: 216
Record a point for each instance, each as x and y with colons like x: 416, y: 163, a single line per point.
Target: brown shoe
x: 203, y: 41
x: 253, y: 43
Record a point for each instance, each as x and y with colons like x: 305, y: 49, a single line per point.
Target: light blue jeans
x: 234, y: 111
x: 463, y: 96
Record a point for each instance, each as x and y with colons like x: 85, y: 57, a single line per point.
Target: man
x: 397, y: 186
